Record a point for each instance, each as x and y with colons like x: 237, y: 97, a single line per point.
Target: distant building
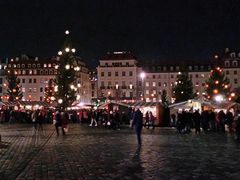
x: 162, y: 75
x: 34, y: 74
x: 3, y: 65
x: 231, y: 67
x: 118, y: 75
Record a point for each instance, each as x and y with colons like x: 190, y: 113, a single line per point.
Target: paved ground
x: 97, y: 153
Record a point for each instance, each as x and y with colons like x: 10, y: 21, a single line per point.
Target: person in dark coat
x: 137, y: 123
x: 197, y: 121
x: 237, y: 128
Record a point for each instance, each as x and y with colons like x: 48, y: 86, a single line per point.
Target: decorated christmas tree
x: 218, y: 85
x: 49, y: 92
x: 184, y: 88
x: 65, y: 88
x: 13, y: 87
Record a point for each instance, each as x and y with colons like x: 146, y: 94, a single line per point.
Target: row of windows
x: 23, y: 81
x: 116, y: 84
x: 32, y: 90
x: 35, y: 72
x: 117, y: 64
x: 177, y: 68
x: 234, y: 72
x: 109, y: 74
x: 234, y: 64
x: 31, y: 65
x: 172, y: 76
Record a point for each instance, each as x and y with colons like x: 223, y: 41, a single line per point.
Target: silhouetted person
x: 137, y: 123
x: 197, y: 121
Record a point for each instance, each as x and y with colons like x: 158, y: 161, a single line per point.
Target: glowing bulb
x: 60, y: 101
x: 67, y: 66
x: 73, y: 50
x: 59, y: 53
x: 67, y: 32
x: 67, y: 49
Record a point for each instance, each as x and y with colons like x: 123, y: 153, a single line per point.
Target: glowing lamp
x: 60, y: 101
x: 67, y: 66
x: 215, y: 91
x: 67, y: 49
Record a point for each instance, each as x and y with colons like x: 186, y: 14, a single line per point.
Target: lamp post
x: 131, y: 92
x: 142, y: 76
x: 117, y: 92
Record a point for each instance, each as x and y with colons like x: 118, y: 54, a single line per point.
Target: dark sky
x: 151, y: 29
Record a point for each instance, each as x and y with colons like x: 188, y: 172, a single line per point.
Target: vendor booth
x: 160, y: 112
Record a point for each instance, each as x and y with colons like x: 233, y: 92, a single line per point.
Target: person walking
x: 34, y: 117
x: 237, y: 126
x: 93, y: 118
x: 58, y: 122
x: 137, y: 123
x: 197, y: 121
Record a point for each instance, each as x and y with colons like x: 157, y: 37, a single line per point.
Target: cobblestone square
x: 99, y: 153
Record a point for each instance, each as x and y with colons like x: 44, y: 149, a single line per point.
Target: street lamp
x: 117, y: 86
x: 131, y: 92
x: 142, y: 76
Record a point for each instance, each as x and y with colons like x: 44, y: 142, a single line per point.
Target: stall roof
x: 24, y: 103
x: 142, y: 103
x: 33, y: 103
x: 117, y: 103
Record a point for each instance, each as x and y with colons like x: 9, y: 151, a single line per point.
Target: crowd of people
x: 206, y: 121
x: 185, y: 121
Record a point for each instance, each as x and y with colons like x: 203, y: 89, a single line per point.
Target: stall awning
x: 33, y: 103
x: 142, y: 104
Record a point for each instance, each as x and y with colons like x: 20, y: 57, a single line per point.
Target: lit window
x: 154, y: 84
x: 147, y: 91
x: 45, y: 65
x: 49, y: 65
x: 23, y: 89
x: 147, y: 84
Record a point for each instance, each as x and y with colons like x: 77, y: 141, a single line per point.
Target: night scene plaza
x: 120, y: 89
x: 98, y: 153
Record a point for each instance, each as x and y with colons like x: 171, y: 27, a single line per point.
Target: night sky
x: 151, y: 29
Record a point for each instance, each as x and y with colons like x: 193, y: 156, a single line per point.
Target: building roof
x: 118, y: 56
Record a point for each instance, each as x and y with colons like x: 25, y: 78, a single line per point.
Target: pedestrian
x: 58, y: 123
x: 34, y: 119
x: 137, y: 123
x: 237, y: 127
x: 229, y: 121
x: 93, y: 118
x: 65, y: 120
x: 197, y: 121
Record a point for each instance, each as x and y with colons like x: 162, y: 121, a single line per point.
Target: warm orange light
x: 215, y: 91
x: 216, y: 82
x: 218, y: 68
x: 207, y: 85
x: 229, y: 99
x: 226, y: 86
x: 232, y: 94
